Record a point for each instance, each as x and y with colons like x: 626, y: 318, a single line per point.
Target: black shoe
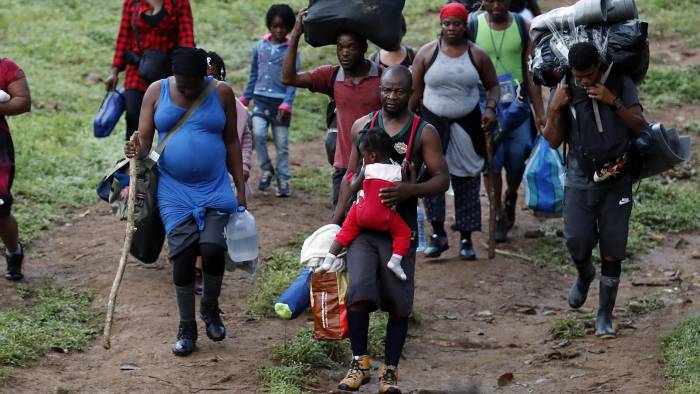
x: 436, y: 246
x: 14, y: 265
x: 211, y: 315
x: 186, y: 338
x: 466, y: 250
x: 501, y: 233
x: 579, y: 290
x: 608, y: 293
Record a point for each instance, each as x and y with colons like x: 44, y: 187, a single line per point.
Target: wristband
x: 491, y: 107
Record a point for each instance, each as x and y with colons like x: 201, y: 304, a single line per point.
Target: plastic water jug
x: 421, y: 229
x: 242, y: 236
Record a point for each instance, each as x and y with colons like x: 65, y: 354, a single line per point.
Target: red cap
x: 454, y: 9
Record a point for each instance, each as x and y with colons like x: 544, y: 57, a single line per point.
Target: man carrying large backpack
x: 503, y: 35
x: 598, y: 187
x: 353, y: 85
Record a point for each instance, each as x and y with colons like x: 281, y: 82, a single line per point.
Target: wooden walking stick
x: 107, y: 333
x: 490, y: 194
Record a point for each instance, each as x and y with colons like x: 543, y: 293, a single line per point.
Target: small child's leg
x: 394, y: 265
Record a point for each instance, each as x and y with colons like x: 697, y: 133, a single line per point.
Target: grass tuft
x: 682, y: 355
x: 666, y: 86
x: 312, y: 180
x: 54, y: 319
x: 567, y: 327
x: 272, y: 279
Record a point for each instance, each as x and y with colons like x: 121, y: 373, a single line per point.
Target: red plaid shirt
x: 174, y: 30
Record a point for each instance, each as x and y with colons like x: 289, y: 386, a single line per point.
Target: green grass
x: 682, y: 355
x: 272, y: 279
x: 54, y: 318
x: 312, y: 180
x: 642, y: 305
x: 567, y: 327
x: 658, y: 209
x: 664, y: 209
x: 670, y: 18
x: 666, y: 86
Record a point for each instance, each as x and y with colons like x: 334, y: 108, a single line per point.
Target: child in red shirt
x: 368, y: 211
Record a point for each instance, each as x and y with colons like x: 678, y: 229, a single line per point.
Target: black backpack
x: 599, y: 149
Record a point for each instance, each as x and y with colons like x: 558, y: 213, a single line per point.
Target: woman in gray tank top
x: 446, y: 77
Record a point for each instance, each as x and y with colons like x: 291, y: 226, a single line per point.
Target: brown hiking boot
x: 358, y: 374
x: 389, y: 380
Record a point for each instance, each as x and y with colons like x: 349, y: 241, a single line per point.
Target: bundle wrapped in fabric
x: 628, y: 48
x: 379, y: 21
x: 623, y: 44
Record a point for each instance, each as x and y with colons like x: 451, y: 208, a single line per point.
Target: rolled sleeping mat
x: 668, y: 149
x: 584, y: 12
x: 297, y: 298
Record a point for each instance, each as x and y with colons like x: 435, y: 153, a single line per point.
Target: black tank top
x: 407, y: 208
x: 155, y: 19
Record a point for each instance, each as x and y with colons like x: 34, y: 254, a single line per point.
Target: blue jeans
x: 513, y: 150
x: 264, y: 117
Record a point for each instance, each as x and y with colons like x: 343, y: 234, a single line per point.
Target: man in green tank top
x: 503, y: 35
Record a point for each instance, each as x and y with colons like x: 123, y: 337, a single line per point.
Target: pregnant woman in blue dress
x: 195, y: 196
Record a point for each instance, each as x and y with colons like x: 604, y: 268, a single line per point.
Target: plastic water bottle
x: 421, y: 229
x: 242, y: 237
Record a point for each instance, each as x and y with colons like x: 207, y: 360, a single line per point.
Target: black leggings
x: 133, y: 99
x: 213, y: 262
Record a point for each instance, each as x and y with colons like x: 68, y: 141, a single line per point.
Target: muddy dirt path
x: 480, y: 319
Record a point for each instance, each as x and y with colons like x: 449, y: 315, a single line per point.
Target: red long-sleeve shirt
x: 176, y: 29
x: 368, y: 212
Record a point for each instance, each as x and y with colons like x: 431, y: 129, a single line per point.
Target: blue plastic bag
x: 296, y: 298
x: 544, y: 174
x: 110, y: 111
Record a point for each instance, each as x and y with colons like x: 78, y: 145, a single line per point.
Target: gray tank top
x: 451, y: 86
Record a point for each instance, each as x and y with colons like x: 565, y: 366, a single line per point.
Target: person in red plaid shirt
x: 160, y: 25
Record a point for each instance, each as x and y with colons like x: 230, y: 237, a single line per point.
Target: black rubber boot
x: 14, y: 265
x: 186, y: 338
x: 579, y: 290
x: 608, y: 293
x: 211, y: 315
x: 509, y: 209
x: 501, y: 233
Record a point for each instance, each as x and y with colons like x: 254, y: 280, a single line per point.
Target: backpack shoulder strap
x: 375, y: 115
x: 471, y: 58
x: 520, y: 22
x: 334, y: 77
x: 410, y: 54
x: 434, y: 56
x: 409, y: 149
x: 473, y: 25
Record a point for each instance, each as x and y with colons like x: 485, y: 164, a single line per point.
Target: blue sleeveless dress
x: 193, y: 175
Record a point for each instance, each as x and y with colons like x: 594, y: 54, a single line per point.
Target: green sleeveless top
x: 504, y: 47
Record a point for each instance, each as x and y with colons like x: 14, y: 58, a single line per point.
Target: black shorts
x: 187, y: 232
x: 597, y: 216
x: 7, y: 172
x: 371, y: 280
